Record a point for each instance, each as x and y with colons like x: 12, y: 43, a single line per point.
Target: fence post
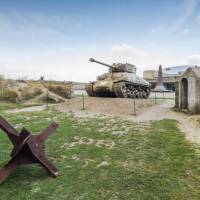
x: 47, y: 98
x: 83, y: 101
x: 134, y: 107
x: 155, y: 97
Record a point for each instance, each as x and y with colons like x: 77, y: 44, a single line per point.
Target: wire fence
x: 114, y: 106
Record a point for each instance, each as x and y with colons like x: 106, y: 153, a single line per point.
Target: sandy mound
x: 105, y: 106
x: 32, y: 92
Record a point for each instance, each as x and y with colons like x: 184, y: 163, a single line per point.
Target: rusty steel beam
x: 28, y: 149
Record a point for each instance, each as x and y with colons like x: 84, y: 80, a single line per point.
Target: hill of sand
x: 34, y: 91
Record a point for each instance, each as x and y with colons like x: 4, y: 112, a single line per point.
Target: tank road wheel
x: 129, y: 93
x: 148, y: 91
x: 136, y: 94
x: 124, y: 91
x: 120, y: 90
x: 144, y: 94
x: 89, y: 89
x: 132, y: 95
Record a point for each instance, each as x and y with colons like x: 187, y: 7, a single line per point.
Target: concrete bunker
x: 187, y: 94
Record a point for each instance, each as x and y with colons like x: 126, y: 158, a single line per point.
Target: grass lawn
x: 8, y: 106
x: 105, y: 159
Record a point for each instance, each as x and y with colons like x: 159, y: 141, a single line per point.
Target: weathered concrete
x: 187, y: 91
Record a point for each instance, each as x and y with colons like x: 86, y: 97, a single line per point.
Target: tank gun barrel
x: 101, y: 63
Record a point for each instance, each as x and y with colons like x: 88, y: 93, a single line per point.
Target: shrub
x: 62, y: 91
x: 30, y: 93
x: 9, y: 95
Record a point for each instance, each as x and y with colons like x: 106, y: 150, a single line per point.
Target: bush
x: 62, y: 91
x: 30, y: 93
x: 9, y: 95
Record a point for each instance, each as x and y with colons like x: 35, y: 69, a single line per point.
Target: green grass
x: 8, y: 106
x: 146, y: 161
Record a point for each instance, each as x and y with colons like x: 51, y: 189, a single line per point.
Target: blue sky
x: 56, y: 38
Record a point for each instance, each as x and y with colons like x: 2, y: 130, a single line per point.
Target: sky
x: 55, y: 39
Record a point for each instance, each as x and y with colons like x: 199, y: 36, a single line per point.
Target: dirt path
x: 30, y: 109
x: 27, y: 109
x: 190, y: 125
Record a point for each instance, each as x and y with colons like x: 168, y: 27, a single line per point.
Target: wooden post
x: 155, y: 98
x: 134, y: 106
x: 47, y: 98
x: 83, y: 101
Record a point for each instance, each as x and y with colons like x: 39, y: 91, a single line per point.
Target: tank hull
x: 120, y: 89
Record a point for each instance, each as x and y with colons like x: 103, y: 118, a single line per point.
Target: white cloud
x: 194, y: 59
x: 127, y: 49
x: 143, y: 60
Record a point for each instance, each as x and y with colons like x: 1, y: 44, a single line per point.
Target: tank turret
x: 117, y: 67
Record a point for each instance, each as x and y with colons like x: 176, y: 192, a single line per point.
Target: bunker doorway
x: 184, y: 93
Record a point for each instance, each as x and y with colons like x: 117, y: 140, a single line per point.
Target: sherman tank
x: 120, y: 81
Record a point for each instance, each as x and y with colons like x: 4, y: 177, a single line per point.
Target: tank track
x: 89, y: 89
x: 129, y: 90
